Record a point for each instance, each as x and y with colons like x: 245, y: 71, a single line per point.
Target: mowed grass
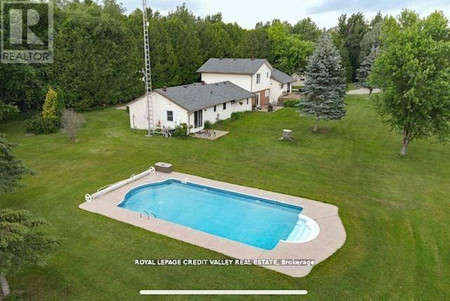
x: 395, y: 210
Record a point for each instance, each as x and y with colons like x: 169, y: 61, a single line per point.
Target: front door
x: 198, y: 118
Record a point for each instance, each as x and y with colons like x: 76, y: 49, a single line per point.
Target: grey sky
x: 324, y: 12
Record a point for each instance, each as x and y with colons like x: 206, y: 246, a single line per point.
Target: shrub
x: 181, y: 131
x: 38, y: 125
x: 207, y: 125
x: 291, y: 103
x: 49, y: 121
x: 50, y: 106
x: 237, y: 115
x: 71, y: 121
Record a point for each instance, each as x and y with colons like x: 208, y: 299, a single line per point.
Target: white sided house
x: 254, y: 75
x: 280, y: 85
x: 191, y: 104
x: 250, y: 74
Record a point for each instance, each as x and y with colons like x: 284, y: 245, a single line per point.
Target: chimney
x: 164, y: 88
x: 203, y: 82
x: 253, y: 58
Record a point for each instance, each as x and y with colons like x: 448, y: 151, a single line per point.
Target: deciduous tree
x: 413, y: 70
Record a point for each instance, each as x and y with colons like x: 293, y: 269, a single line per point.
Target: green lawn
x: 395, y: 210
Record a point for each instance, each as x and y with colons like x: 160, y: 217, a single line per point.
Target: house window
x: 247, y: 100
x: 214, y: 108
x: 267, y: 93
x: 224, y: 105
x: 258, y: 78
x: 169, y: 115
x: 267, y: 75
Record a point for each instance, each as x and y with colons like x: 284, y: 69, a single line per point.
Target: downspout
x: 251, y: 90
x: 189, y: 122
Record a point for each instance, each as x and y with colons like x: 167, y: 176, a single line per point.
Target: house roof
x: 198, y: 96
x: 234, y: 66
x: 281, y: 77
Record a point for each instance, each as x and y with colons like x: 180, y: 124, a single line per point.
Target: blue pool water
x: 247, y: 219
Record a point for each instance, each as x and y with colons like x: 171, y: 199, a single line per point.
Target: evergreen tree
x: 362, y: 74
x: 22, y: 243
x: 325, y: 83
x: 11, y: 169
x: 50, y: 107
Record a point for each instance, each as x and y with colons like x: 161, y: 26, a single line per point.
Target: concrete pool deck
x: 331, y: 237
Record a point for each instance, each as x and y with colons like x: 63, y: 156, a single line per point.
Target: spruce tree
x: 325, y: 84
x: 362, y: 74
x: 11, y: 169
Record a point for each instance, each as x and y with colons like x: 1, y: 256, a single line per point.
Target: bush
x: 49, y: 121
x: 181, y: 131
x: 71, y: 122
x: 50, y: 107
x: 207, y: 125
x: 291, y: 103
x: 237, y: 115
x: 38, y: 125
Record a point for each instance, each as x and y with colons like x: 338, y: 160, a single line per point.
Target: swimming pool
x: 247, y: 219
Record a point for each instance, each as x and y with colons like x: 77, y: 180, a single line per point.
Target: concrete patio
x: 331, y: 237
x: 210, y: 135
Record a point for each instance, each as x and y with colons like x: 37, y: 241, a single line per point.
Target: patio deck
x: 331, y: 237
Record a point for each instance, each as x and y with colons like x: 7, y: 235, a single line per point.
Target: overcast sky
x: 324, y: 12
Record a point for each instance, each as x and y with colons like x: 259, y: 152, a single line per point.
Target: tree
x: 325, y: 83
x: 182, y: 29
x: 7, y: 110
x: 255, y: 43
x: 370, y: 40
x: 50, y: 107
x: 413, y: 70
x: 290, y: 53
x: 22, y: 243
x: 307, y: 30
x: 362, y: 74
x: 352, y: 31
x: 71, y: 122
x: 11, y: 169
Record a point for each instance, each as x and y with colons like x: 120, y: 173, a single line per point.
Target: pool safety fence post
x: 101, y: 191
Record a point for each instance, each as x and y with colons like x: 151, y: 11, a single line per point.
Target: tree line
x: 98, y: 51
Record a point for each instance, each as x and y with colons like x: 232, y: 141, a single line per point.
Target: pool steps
x: 305, y: 230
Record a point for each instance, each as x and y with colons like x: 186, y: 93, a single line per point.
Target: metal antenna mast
x: 147, y: 70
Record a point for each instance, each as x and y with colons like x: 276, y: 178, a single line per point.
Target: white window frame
x: 258, y: 78
x: 267, y: 93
